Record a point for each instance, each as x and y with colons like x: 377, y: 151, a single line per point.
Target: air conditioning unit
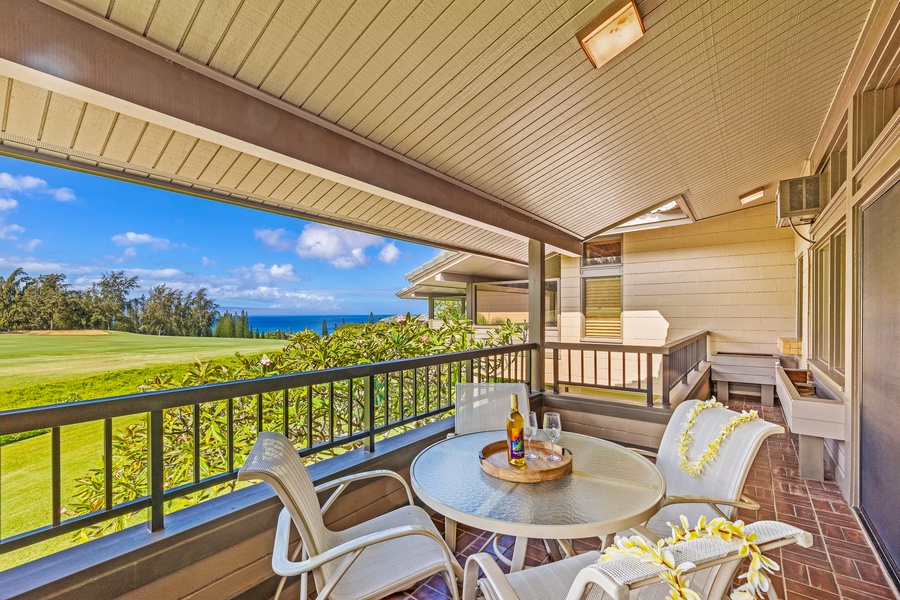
x: 800, y: 200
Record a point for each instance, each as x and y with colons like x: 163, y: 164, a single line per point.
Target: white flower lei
x: 637, y: 547
x: 684, y: 440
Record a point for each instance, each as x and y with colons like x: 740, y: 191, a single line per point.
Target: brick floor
x: 839, y: 566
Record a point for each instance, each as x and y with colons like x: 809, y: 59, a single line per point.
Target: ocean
x: 296, y: 323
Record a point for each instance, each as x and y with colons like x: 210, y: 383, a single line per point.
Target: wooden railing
x: 628, y: 368
x: 190, y: 439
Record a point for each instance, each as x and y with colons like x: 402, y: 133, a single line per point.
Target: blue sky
x: 54, y: 220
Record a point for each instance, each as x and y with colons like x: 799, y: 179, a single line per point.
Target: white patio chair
x: 484, y: 406
x: 374, y: 559
x: 717, y: 491
x: 626, y: 577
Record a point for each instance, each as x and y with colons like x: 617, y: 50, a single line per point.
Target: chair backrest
x: 274, y: 460
x: 484, y: 406
x: 717, y: 562
x: 725, y: 475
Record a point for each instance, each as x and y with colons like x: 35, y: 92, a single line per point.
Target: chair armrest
x: 647, y: 453
x: 742, y: 502
x: 492, y: 572
x: 283, y: 566
x: 342, y: 483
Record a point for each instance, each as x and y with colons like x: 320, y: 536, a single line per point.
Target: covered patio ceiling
x: 471, y: 126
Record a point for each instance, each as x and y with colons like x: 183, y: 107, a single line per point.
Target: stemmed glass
x: 531, y: 428
x: 552, y: 429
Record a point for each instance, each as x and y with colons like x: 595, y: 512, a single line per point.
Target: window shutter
x: 603, y: 307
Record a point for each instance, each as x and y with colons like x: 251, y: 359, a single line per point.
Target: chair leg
x: 552, y: 547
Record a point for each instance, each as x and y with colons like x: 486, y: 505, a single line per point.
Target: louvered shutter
x: 603, y: 307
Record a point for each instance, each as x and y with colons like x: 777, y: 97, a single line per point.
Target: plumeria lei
x: 684, y: 440
x: 757, y: 582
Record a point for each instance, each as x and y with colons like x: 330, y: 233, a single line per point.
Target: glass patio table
x: 610, y: 489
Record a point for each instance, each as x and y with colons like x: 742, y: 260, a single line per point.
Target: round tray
x: 494, y: 462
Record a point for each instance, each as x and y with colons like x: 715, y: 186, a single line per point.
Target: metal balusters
x: 286, y: 414
x: 235, y: 400
x: 157, y: 469
x: 309, y: 417
x: 230, y: 434
x: 56, y: 474
x: 107, y: 463
x: 195, y: 425
x: 259, y: 412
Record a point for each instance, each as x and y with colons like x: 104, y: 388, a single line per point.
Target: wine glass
x: 531, y: 428
x: 552, y: 429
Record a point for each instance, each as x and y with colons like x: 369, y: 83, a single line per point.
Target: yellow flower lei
x: 635, y: 546
x: 684, y: 440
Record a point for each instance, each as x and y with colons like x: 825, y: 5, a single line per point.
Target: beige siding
x: 732, y: 275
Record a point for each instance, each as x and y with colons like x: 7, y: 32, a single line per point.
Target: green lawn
x: 45, y: 369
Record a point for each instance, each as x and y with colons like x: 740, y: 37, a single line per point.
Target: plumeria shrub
x: 337, y: 410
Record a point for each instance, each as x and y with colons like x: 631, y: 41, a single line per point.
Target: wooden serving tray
x: 494, y: 462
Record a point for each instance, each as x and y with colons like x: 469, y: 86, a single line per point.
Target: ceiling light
x: 616, y: 28
x: 751, y: 196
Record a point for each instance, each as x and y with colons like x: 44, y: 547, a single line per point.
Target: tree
x: 46, y: 301
x: 371, y: 318
x: 111, y: 298
x: 203, y: 312
x: 11, y: 309
x: 325, y: 327
x: 159, y: 310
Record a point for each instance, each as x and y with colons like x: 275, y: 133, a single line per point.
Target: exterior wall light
x: 751, y: 196
x: 614, y: 29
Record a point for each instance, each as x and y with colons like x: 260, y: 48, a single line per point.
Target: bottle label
x: 517, y: 447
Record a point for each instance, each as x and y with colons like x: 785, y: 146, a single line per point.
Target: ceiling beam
x: 102, y: 63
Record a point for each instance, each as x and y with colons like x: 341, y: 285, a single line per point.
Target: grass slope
x: 28, y: 360
x: 45, y: 369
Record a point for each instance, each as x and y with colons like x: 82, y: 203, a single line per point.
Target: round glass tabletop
x: 610, y: 489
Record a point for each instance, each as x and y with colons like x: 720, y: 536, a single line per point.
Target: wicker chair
x: 716, y: 492
x: 716, y: 562
x: 371, y: 560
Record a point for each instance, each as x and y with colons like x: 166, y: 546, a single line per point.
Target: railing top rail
x: 611, y: 347
x: 57, y: 415
x: 681, y: 343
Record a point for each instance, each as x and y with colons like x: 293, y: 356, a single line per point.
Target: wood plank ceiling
x: 716, y: 99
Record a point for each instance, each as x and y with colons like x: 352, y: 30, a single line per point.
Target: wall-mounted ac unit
x: 800, y: 200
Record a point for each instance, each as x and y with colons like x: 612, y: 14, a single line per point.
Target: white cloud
x: 134, y: 239
x: 30, y: 245
x: 207, y: 261
x: 63, y: 195
x: 8, y: 204
x: 27, y: 183
x: 263, y: 275
x: 389, y: 254
x: 276, y: 239
x: 20, y: 183
x: 8, y: 232
x: 342, y: 248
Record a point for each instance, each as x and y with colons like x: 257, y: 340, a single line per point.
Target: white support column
x: 536, y: 313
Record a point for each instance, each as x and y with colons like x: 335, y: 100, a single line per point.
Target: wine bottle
x: 515, y: 430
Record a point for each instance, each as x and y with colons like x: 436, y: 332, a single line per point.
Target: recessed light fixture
x: 614, y: 29
x: 751, y: 196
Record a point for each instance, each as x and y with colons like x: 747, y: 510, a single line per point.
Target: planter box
x: 811, y: 417
x: 736, y: 367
